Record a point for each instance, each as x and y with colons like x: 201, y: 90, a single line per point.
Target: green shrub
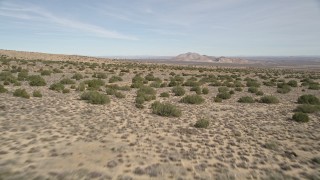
x: 95, y: 97
x: 205, y: 90
x: 55, y: 70
x: 23, y: 75
x: 300, y: 117
x: 202, y: 123
x: 77, y: 76
x: 139, y: 100
x: 269, y: 100
x: 7, y: 77
x: 21, y: 93
x: 165, y: 109
x: 81, y: 87
x: 155, y: 84
x: 192, y: 99
x: 57, y: 87
x: 217, y: 99
x: 253, y: 89
x: 283, y: 89
x: 67, y: 81
x: 293, y: 83
x: 259, y: 93
x: 253, y: 83
x: 65, y: 91
x: 36, y: 80
x: 140, y: 106
x: 238, y: 89
x: 314, y: 86
x: 115, y: 79
x: 45, y: 73
x: 111, y: 91
x: 246, y: 99
x: 119, y: 95
x: 223, y: 89
x: 3, y: 89
x: 178, y: 91
x: 308, y: 99
x: 164, y: 94
x: 37, y: 93
x: 146, y: 92
x: 224, y: 95
x: 307, y: 108
x: 197, y: 89
x: 94, y: 84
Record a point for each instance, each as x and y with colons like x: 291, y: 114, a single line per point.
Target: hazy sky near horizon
x: 162, y: 27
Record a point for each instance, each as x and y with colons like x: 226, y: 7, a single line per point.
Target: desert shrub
x: 223, y: 89
x: 202, y: 123
x: 300, y: 117
x: 192, y: 99
x: 55, y: 70
x: 119, y: 95
x: 57, y: 87
x: 178, y: 91
x: 164, y: 94
x: 191, y: 83
x: 95, y: 97
x: 253, y: 89
x: 283, y: 89
x: 3, y: 89
x: 81, y: 87
x: 111, y: 91
x: 149, y: 77
x: 308, y: 99
x: 7, y: 77
x: 147, y: 92
x: 65, y: 91
x: 23, y: 75
x: 37, y: 93
x: 67, y: 81
x: 21, y: 93
x: 124, y: 88
x: 155, y: 84
x: 36, y: 80
x: 246, y: 99
x: 94, y: 84
x: 238, y: 89
x: 293, y: 83
x: 139, y: 100
x: 115, y: 79
x: 253, y: 83
x: 164, y: 84
x: 100, y: 75
x: 196, y: 89
x: 45, y: 73
x: 217, y: 99
x: 272, y: 145
x: 231, y: 92
x: 205, y: 90
x: 140, y: 106
x: 307, y: 108
x: 165, y: 109
x: 224, y: 95
x: 77, y: 76
x: 269, y: 83
x: 314, y: 86
x: 269, y: 99
x: 259, y: 93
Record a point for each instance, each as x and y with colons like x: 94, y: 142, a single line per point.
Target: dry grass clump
x: 67, y: 81
x: 77, y: 76
x: 3, y: 89
x: 36, y: 93
x: 202, y: 123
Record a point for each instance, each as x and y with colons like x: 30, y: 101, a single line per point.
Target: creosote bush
x: 202, y: 123
x: 178, y: 91
x: 57, y: 87
x: 224, y: 95
x: 269, y: 99
x: 36, y: 80
x: 21, y: 93
x: 246, y: 99
x: 192, y: 99
x: 37, y: 93
x: 164, y: 94
x: 165, y: 109
x: 308, y: 99
x: 300, y: 117
x: 95, y: 97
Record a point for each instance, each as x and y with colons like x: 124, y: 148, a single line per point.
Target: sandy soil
x: 60, y: 136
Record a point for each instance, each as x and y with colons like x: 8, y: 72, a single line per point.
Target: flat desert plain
x: 86, y: 118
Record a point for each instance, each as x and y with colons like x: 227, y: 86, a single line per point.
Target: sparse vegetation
x: 164, y: 94
x: 95, y: 97
x: 36, y: 80
x: 192, y: 99
x: 57, y: 87
x: 178, y: 91
x: 308, y: 99
x: 165, y: 109
x: 202, y: 123
x: 300, y: 117
x: 269, y: 99
x: 37, y: 93
x: 246, y: 99
x: 21, y: 93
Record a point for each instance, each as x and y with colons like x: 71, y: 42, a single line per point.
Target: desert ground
x: 72, y: 117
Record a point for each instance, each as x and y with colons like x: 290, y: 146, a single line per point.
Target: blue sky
x: 162, y: 27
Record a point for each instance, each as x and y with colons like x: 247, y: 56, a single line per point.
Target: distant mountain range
x: 195, y: 57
